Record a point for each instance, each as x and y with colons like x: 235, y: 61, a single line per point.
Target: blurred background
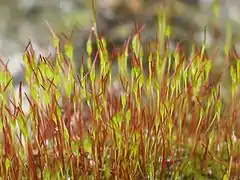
x: 24, y: 20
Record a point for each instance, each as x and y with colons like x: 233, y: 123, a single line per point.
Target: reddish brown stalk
x: 31, y: 163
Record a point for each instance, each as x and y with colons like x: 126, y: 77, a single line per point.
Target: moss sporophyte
x: 156, y: 116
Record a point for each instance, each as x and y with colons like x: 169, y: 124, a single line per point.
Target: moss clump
x: 163, y: 121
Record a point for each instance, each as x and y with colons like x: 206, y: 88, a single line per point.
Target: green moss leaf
x: 89, y: 47
x: 7, y: 164
x: 87, y: 145
x: 23, y: 126
x: 69, y: 51
x: 46, y: 98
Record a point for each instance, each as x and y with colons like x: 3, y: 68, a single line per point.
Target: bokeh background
x: 24, y: 20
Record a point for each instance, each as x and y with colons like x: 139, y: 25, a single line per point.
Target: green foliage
x: 161, y: 121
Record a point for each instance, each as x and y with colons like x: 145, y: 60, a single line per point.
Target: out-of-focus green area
x: 21, y: 20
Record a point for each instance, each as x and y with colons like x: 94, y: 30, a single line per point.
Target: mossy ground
x: 162, y: 120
